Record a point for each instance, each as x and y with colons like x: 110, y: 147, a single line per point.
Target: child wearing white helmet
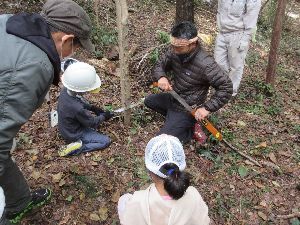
x: 76, y: 122
x: 169, y: 200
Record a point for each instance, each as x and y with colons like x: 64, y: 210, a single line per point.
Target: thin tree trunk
x: 122, y: 22
x: 184, y: 11
x: 276, y: 35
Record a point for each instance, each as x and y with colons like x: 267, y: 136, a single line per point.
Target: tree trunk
x: 184, y: 11
x: 122, y: 22
x: 276, y: 35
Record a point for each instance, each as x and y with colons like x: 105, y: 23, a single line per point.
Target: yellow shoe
x: 70, y: 148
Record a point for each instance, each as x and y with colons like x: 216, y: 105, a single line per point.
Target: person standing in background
x: 236, y: 20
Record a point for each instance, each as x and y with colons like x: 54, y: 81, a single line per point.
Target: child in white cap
x: 169, y: 200
x: 78, y: 120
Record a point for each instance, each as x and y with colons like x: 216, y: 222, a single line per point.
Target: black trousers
x: 14, y: 185
x: 178, y: 123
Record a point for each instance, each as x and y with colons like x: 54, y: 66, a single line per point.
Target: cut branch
x: 242, y: 154
x: 289, y: 216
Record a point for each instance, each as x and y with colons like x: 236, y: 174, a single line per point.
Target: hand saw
x: 209, y: 126
x: 120, y: 110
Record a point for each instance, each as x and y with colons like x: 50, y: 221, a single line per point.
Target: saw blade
x: 130, y: 107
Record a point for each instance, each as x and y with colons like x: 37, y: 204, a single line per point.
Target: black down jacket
x: 192, y: 77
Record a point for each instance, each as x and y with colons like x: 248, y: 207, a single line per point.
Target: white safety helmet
x: 81, y: 77
x: 161, y: 150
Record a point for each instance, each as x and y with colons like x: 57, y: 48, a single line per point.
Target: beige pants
x: 230, y: 53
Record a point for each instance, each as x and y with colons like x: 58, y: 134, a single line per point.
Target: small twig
x: 289, y: 216
x: 242, y: 154
x: 142, y: 60
x: 146, y: 52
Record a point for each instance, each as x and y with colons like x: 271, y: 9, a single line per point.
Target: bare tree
x: 122, y: 22
x: 276, y: 35
x: 184, y: 11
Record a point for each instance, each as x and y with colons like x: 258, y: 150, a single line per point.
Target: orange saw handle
x: 210, y: 127
x: 155, y: 84
x: 205, y: 122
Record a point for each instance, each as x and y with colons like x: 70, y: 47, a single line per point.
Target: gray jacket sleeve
x: 252, y: 9
x: 222, y: 84
x: 22, y: 91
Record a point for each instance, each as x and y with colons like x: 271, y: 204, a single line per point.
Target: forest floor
x: 261, y: 121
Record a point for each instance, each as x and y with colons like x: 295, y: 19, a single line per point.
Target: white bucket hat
x: 161, y: 150
x: 80, y: 77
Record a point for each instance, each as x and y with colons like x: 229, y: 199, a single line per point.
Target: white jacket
x: 237, y: 15
x: 2, y: 202
x: 147, y: 207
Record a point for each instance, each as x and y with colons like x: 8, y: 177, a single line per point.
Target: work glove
x: 107, y: 115
x: 97, y: 110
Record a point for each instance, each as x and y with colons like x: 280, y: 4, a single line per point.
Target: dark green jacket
x: 28, y: 65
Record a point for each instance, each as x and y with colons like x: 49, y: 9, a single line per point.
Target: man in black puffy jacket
x: 193, y: 72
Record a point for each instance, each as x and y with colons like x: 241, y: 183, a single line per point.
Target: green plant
x: 253, y: 57
x: 87, y: 184
x: 274, y: 110
x: 297, y: 128
x: 163, y: 37
x: 154, y: 56
x: 264, y: 88
x: 141, y: 117
x: 228, y: 135
x: 222, y: 205
x: 104, y: 36
x: 24, y: 139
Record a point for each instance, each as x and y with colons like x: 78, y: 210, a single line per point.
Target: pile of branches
x: 142, y: 63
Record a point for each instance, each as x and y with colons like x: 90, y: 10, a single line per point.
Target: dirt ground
x: 261, y: 121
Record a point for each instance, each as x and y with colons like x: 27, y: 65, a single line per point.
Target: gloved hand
x: 97, y: 110
x: 107, y: 115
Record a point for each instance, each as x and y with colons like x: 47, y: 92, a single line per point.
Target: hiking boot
x: 70, y: 149
x: 38, y: 198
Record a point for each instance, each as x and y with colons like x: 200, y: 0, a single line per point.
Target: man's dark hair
x: 184, y: 30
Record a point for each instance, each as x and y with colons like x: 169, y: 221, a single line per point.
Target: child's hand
x: 107, y: 115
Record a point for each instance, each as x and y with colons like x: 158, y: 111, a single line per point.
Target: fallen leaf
x: 94, y: 217
x: 275, y: 183
x: 262, y: 215
x: 241, y: 123
x: 69, y: 198
x: 32, y: 151
x: 259, y: 185
x: 285, y: 153
x: 103, y: 213
x: 62, y: 182
x: 115, y: 197
x: 262, y: 145
x: 65, y: 219
x: 57, y: 177
x: 272, y: 157
x: 81, y: 196
x: 34, y: 157
x: 263, y: 203
x: 36, y: 175
x: 243, y: 171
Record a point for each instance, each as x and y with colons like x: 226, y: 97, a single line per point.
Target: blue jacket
x: 74, y: 115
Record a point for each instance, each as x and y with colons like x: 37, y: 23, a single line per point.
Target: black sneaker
x: 38, y: 198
